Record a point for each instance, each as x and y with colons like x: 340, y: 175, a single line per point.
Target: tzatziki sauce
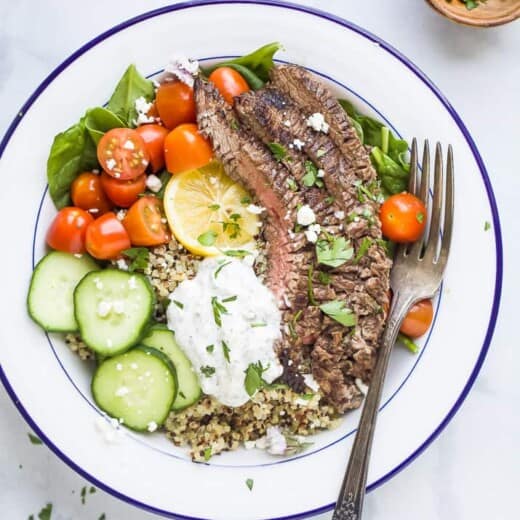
x: 225, y: 320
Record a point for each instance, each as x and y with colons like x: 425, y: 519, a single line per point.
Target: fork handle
x: 350, y: 501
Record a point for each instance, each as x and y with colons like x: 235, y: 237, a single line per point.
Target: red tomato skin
x: 403, y: 218
x: 144, y: 224
x: 185, y: 149
x: 106, y: 238
x: 418, y: 320
x: 123, y: 193
x: 175, y: 104
x: 153, y: 137
x: 229, y: 82
x: 68, y: 230
x: 87, y: 193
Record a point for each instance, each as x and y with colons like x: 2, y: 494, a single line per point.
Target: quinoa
x: 77, y: 346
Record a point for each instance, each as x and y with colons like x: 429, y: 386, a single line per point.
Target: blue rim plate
x: 290, y: 10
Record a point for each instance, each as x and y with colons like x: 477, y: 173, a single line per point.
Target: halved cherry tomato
x: 229, y: 82
x: 145, y: 223
x: 122, y: 153
x: 153, y: 137
x: 106, y: 237
x: 67, y: 230
x: 185, y: 148
x: 123, y: 193
x: 418, y: 319
x: 87, y: 193
x: 175, y: 104
x: 403, y: 217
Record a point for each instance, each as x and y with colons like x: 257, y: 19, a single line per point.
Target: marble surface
x: 472, y: 470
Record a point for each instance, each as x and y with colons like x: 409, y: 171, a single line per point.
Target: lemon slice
x: 207, y: 211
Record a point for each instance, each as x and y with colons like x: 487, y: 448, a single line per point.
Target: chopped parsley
x: 249, y: 483
x: 337, y: 311
x: 324, y: 278
x: 218, y: 310
x: 181, y: 393
x: 408, y: 343
x: 307, y: 397
x: 279, y: 151
x: 214, y: 207
x: 219, y: 268
x: 34, y: 439
x: 245, y: 200
x: 237, y: 253
x: 179, y: 304
x: 311, y: 176
x: 83, y: 494
x: 234, y: 125
x: 333, y: 251
x: 103, y: 517
x: 292, y: 184
x: 259, y: 324
x: 207, y: 239
x: 45, y: 513
x: 254, y: 381
x: 226, y: 351
x: 229, y: 299
x: 363, y: 248
x: 207, y: 370
x: 471, y: 4
x: 487, y: 225
x: 370, y: 191
x: 210, y: 348
x: 232, y: 227
x: 420, y: 217
x: 207, y: 453
x: 330, y: 200
x: 139, y: 257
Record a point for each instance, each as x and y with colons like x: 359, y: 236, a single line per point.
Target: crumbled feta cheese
x: 305, y: 216
x: 95, y: 171
x: 255, y: 210
x: 153, y: 183
x: 317, y: 122
x: 78, y: 255
x: 311, y: 236
x: 302, y: 402
x: 109, y: 429
x: 287, y: 123
x: 142, y: 107
x: 249, y: 445
x: 103, y: 309
x: 93, y: 210
x: 311, y: 382
x: 152, y: 426
x: 132, y: 283
x: 213, y: 180
x: 119, y: 367
x: 298, y: 144
x: 129, y: 145
x: 121, y: 264
x: 98, y: 283
x: 183, y: 68
x: 320, y: 174
x: 119, y: 306
x: 361, y: 386
x: 339, y: 215
x: 121, y: 214
x: 111, y: 163
x: 122, y: 391
x: 274, y: 442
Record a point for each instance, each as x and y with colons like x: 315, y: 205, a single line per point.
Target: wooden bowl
x: 487, y: 14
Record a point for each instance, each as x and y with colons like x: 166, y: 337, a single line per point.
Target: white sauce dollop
x: 249, y: 329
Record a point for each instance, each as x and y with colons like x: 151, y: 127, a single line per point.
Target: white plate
x: 50, y: 385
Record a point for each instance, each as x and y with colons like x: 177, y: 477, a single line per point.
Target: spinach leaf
x: 99, y: 120
x: 130, y: 87
x: 72, y: 151
x: 254, y: 82
x: 393, y: 176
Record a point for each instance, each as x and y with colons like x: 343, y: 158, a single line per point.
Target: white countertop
x: 472, y: 471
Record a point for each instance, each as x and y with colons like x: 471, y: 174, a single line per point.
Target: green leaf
x: 311, y: 175
x: 254, y: 381
x: 207, y: 453
x: 99, y: 120
x: 291, y: 183
x: 249, y: 483
x: 254, y: 82
x: 487, y: 225
x: 226, y: 351
x: 214, y: 207
x: 219, y: 268
x: 218, y: 310
x: 139, y: 257
x: 207, y: 370
x: 408, y: 343
x: 237, y: 253
x: 310, y: 288
x: 394, y: 177
x: 164, y: 177
x: 208, y: 238
x: 34, y: 439
x: 46, y: 512
x: 278, y: 151
x: 337, y: 311
x: 72, y: 152
x: 363, y: 249
x: 258, y: 324
x: 324, y: 278
x: 210, y: 349
x: 102, y: 517
x: 333, y: 251
x: 130, y: 87
x: 358, y: 128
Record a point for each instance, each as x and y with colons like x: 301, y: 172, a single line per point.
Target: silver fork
x: 416, y: 274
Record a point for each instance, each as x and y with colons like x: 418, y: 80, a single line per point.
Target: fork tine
x: 423, y: 193
x: 412, y: 184
x: 448, y: 210
x: 432, y: 244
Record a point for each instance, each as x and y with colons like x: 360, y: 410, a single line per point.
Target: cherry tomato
x: 67, y: 230
x: 122, y: 153
x: 229, y: 82
x: 145, y: 223
x: 418, y: 319
x: 87, y: 193
x: 106, y: 237
x: 123, y: 193
x: 175, y: 104
x: 403, y: 217
x: 185, y: 148
x: 153, y: 137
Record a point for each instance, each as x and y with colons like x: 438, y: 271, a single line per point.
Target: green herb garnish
x: 45, y: 513
x: 487, y: 225
x: 310, y: 289
x: 311, y: 175
x: 207, y: 370
x: 210, y: 348
x: 363, y: 249
x: 333, y: 251
x: 307, y: 397
x: 218, y: 269
x: 259, y: 324
x: 237, y: 253
x: 245, y: 200
x: 207, y: 239
x: 408, y: 343
x: 179, y: 304
x: 229, y: 299
x: 249, y: 483
x: 337, y: 311
x: 226, y: 351
x: 34, y: 439
x: 324, y: 278
x: 214, y: 207
x: 278, y: 151
x: 207, y: 453
x: 218, y: 310
x: 420, y: 217
x: 254, y: 381
x: 292, y: 184
x: 139, y: 257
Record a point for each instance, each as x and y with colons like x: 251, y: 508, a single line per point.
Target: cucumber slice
x: 113, y: 309
x: 189, y: 392
x: 49, y: 301
x: 137, y: 387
